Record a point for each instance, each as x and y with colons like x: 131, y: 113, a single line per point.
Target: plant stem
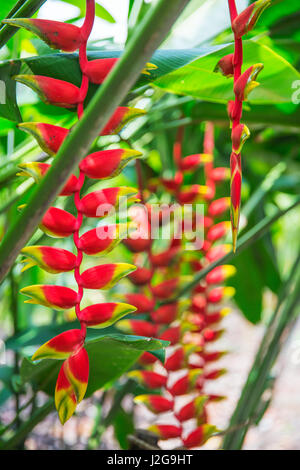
x: 149, y: 34
x: 26, y: 10
x: 246, y: 240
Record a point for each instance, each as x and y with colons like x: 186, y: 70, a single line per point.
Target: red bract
x: 53, y: 260
x: 246, y: 21
x: 49, y: 137
x: 103, y: 202
x: 225, y: 65
x: 58, y: 223
x: 105, y: 276
x: 141, y: 276
x: 107, y: 163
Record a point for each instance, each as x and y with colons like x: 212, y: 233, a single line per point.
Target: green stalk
x: 149, y: 34
x: 268, y: 351
x: 246, y: 240
x: 25, y: 10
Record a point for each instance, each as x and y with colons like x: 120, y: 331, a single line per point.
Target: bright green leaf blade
x: 5, y: 7
x: 101, y: 12
x: 199, y: 80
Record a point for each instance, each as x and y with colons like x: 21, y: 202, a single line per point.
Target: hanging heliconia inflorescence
x: 69, y: 346
x: 244, y: 82
x: 190, y: 325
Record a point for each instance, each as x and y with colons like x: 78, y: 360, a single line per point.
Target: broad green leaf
x: 8, y: 103
x: 123, y: 426
x: 199, y: 80
x: 5, y: 8
x: 110, y: 356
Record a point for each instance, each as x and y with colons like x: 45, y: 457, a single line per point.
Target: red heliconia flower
x: 58, y: 223
x: 199, y: 436
x: 155, y: 403
x: 165, y: 314
x: 49, y: 137
x: 246, y: 20
x: 53, y: 260
x: 217, y: 252
x: 51, y: 90
x: 218, y: 231
x: 192, y: 409
x: 192, y: 194
x: 235, y: 193
x: 210, y: 335
x: 219, y: 274
x: 234, y: 112
x: 247, y: 82
x: 173, y: 184
x: 107, y: 163
x: 166, y: 431
x: 165, y: 258
x: 148, y: 378
x: 217, y: 316
x: 38, y: 169
x: 214, y: 374
x: 212, y: 356
x: 219, y: 293
x: 138, y: 327
x: 71, y: 384
x: 138, y: 245
x: 165, y: 289
x: 219, y: 206
x: 102, y: 240
x: 141, y: 276
x: 98, y: 69
x: 142, y: 303
x: 120, y: 118
x: 147, y: 359
x: 225, y: 65
x: 56, y: 34
x: 61, y: 347
x: 103, y: 202
x: 192, y: 161
x: 175, y: 360
x: 105, y: 276
x: 57, y: 297
x: 103, y: 315
x: 239, y: 135
x: 220, y: 174
x: 186, y: 383
x: 172, y: 334
x: 199, y: 303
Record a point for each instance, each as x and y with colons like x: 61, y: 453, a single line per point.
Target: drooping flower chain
x: 187, y: 327
x: 244, y: 83
x: 73, y: 376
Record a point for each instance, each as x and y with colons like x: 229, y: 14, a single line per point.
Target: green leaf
x: 110, y: 356
x: 5, y: 7
x: 101, y: 12
x: 123, y: 426
x: 8, y: 104
x: 199, y: 80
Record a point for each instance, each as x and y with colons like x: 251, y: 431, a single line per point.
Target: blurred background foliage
x: 175, y: 94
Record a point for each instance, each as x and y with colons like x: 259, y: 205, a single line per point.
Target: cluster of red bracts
x: 189, y: 325
x: 69, y: 346
x: 244, y: 83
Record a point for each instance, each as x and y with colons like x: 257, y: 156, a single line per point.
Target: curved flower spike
x: 192, y: 161
x: 52, y: 260
x: 58, y: 223
x: 71, y: 384
x: 56, y: 34
x: 37, y: 170
x: 193, y: 409
x: 239, y: 135
x: 220, y: 274
x: 246, y: 20
x: 107, y: 163
x: 120, y: 118
x: 57, y: 297
x: 51, y: 90
x: 148, y: 378
x: 199, y: 436
x: 105, y: 276
x: 225, y: 66
x: 102, y: 240
x: 155, y: 403
x: 103, y: 315
x: 165, y: 431
x: 247, y: 82
x: 49, y: 137
x: 61, y: 346
x: 138, y: 327
x: 101, y: 203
